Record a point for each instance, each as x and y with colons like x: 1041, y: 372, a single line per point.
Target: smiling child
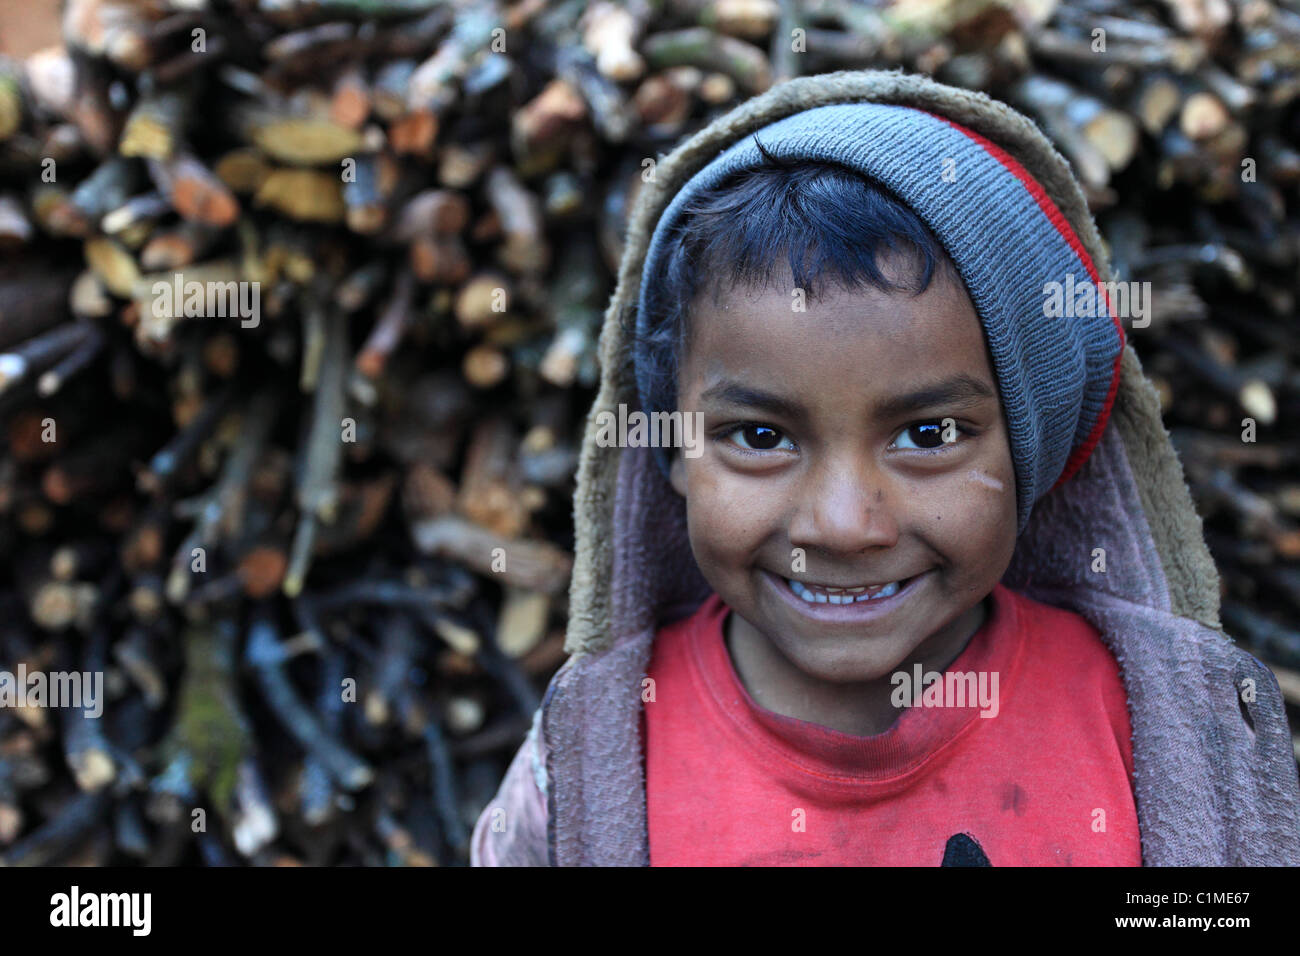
x: 853, y: 510
x: 931, y: 590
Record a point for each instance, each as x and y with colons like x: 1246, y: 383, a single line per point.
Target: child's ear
x: 677, y: 472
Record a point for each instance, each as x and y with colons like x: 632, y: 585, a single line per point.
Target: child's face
x: 818, y: 429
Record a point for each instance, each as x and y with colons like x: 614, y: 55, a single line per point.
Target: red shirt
x: 1044, y: 782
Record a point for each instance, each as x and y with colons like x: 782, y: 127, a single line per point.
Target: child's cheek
x: 723, y: 514
x: 969, y: 514
x: 706, y: 508
x: 978, y: 519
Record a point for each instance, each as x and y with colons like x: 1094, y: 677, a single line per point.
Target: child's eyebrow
x: 961, y: 391
x: 736, y: 393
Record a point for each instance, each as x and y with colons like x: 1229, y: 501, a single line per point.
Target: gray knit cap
x: 1057, y: 375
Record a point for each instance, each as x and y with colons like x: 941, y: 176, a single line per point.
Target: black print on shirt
x: 964, y: 850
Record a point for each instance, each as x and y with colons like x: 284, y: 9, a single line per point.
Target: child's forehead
x: 865, y: 342
x: 767, y: 314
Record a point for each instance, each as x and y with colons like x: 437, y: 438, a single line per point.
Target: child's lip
x: 872, y: 587
x: 858, y: 612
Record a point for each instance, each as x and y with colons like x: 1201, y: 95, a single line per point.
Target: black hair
x: 831, y: 222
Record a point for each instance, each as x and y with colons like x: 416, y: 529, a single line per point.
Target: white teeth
x: 841, y: 595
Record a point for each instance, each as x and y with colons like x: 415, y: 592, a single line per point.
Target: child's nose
x: 844, y: 507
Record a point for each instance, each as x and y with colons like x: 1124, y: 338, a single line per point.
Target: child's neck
x: 860, y: 708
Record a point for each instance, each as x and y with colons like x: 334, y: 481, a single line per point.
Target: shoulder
x: 1063, y: 628
x: 1066, y: 644
x: 672, y: 639
x: 1074, y: 668
x: 512, y: 829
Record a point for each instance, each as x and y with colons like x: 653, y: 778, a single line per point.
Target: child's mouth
x: 856, y: 605
x: 824, y: 594
x: 862, y: 593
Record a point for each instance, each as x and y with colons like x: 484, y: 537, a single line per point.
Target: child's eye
x: 924, y: 435
x: 759, y: 438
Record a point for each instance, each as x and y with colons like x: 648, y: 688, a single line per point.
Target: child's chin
x: 850, y: 667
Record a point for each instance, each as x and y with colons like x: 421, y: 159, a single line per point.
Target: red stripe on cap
x: 1057, y: 219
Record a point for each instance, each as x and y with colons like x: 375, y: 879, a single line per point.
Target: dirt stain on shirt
x: 1014, y: 799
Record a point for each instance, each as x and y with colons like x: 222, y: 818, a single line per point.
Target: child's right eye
x: 759, y: 438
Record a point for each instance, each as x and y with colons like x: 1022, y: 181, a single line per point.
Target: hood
x: 1214, y: 772
x: 1129, y: 498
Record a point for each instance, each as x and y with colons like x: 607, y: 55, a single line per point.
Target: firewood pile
x: 298, y: 317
